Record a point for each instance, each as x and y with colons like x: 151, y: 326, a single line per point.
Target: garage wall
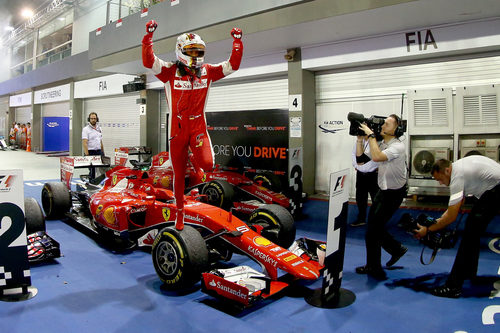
x: 378, y: 91
x: 119, y: 119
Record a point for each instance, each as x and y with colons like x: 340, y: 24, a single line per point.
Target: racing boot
x: 179, y: 222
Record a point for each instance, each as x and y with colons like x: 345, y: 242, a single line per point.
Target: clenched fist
x: 151, y: 26
x: 236, y: 33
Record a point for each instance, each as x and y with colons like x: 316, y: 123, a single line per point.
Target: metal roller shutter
x: 23, y: 114
x: 4, y: 108
x: 55, y: 109
x: 119, y: 119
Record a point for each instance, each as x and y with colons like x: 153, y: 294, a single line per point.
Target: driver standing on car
x: 187, y: 82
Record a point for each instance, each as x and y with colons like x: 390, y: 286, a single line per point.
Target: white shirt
x: 392, y: 173
x: 472, y: 175
x: 93, y: 135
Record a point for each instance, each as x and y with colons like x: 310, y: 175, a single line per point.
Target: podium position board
x: 15, y: 277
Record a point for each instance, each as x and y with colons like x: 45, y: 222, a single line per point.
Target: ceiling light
x: 27, y: 13
x: 9, y: 28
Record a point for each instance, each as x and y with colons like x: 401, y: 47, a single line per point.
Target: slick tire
x: 274, y: 223
x: 56, y: 200
x: 269, y: 180
x: 179, y: 257
x: 219, y: 193
x: 35, y: 221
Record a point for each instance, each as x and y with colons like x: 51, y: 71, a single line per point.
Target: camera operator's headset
x: 401, y: 128
x: 91, y: 113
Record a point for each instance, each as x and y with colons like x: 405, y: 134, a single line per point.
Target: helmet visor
x: 194, y: 50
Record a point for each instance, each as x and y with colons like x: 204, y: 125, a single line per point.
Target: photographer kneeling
x: 473, y: 175
x: 392, y: 182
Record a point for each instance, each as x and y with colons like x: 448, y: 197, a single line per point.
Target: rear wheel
x: 35, y: 221
x: 275, y: 223
x: 219, y: 193
x: 179, y: 257
x: 269, y: 180
x: 56, y: 200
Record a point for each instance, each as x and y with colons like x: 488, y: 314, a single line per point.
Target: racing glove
x: 148, y: 56
x: 237, y: 53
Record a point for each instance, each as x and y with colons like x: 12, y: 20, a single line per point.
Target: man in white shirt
x: 92, y: 139
x: 391, y: 155
x: 474, y: 175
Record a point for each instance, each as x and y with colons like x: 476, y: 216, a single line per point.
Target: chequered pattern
x: 329, y: 280
x: 4, y: 276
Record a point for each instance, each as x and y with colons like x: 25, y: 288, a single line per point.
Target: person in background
x: 392, y: 180
x: 473, y: 175
x: 366, y: 178
x: 92, y: 139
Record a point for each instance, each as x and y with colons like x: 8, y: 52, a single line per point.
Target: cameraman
x: 391, y: 156
x: 366, y: 178
x: 473, y: 175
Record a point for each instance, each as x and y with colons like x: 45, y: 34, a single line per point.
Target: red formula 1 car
x: 223, y: 187
x: 127, y: 209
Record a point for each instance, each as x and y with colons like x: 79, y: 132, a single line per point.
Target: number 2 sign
x: 14, y: 265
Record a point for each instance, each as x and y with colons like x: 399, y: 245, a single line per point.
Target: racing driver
x: 186, y: 85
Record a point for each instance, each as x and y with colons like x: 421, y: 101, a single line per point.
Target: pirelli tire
x: 56, y: 200
x: 275, y: 223
x: 269, y: 180
x: 35, y: 220
x: 179, y: 257
x: 219, y: 193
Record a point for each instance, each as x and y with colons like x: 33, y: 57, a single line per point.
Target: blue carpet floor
x: 90, y: 289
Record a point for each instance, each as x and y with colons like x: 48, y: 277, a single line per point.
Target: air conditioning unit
x: 422, y: 160
x: 491, y: 152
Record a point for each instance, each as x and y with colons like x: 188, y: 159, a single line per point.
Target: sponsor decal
x: 332, y: 126
x: 138, y: 209
x: 260, y: 255
x: 196, y: 218
x: 242, y: 228
x: 227, y: 289
x: 263, y: 195
x: 115, y: 178
x: 6, y: 183
x: 290, y: 258
x: 186, y: 85
x: 148, y: 239
x: 52, y: 124
x: 98, y: 210
x: 166, y: 213
x: 297, y: 263
x: 339, y: 186
x: 109, y: 215
x: 275, y: 249
x: 261, y: 241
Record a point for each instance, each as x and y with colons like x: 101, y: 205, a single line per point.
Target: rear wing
x: 122, y: 154
x: 70, y: 163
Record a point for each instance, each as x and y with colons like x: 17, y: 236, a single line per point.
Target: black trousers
x: 92, y: 170
x: 466, y: 261
x: 365, y: 183
x: 377, y: 237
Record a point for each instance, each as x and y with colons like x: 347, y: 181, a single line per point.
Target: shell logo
x: 261, y: 241
x: 166, y: 213
x: 165, y: 181
x: 109, y: 215
x: 115, y: 178
x: 98, y: 210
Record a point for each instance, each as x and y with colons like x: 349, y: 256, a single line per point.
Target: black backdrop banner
x: 252, y: 139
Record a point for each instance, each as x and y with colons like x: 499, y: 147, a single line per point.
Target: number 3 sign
x: 14, y: 266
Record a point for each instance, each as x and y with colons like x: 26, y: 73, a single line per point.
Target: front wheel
x: 275, y: 223
x: 56, y: 200
x: 179, y: 257
x: 35, y: 221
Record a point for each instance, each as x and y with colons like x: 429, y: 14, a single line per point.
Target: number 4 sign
x: 15, y: 277
x: 295, y: 102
